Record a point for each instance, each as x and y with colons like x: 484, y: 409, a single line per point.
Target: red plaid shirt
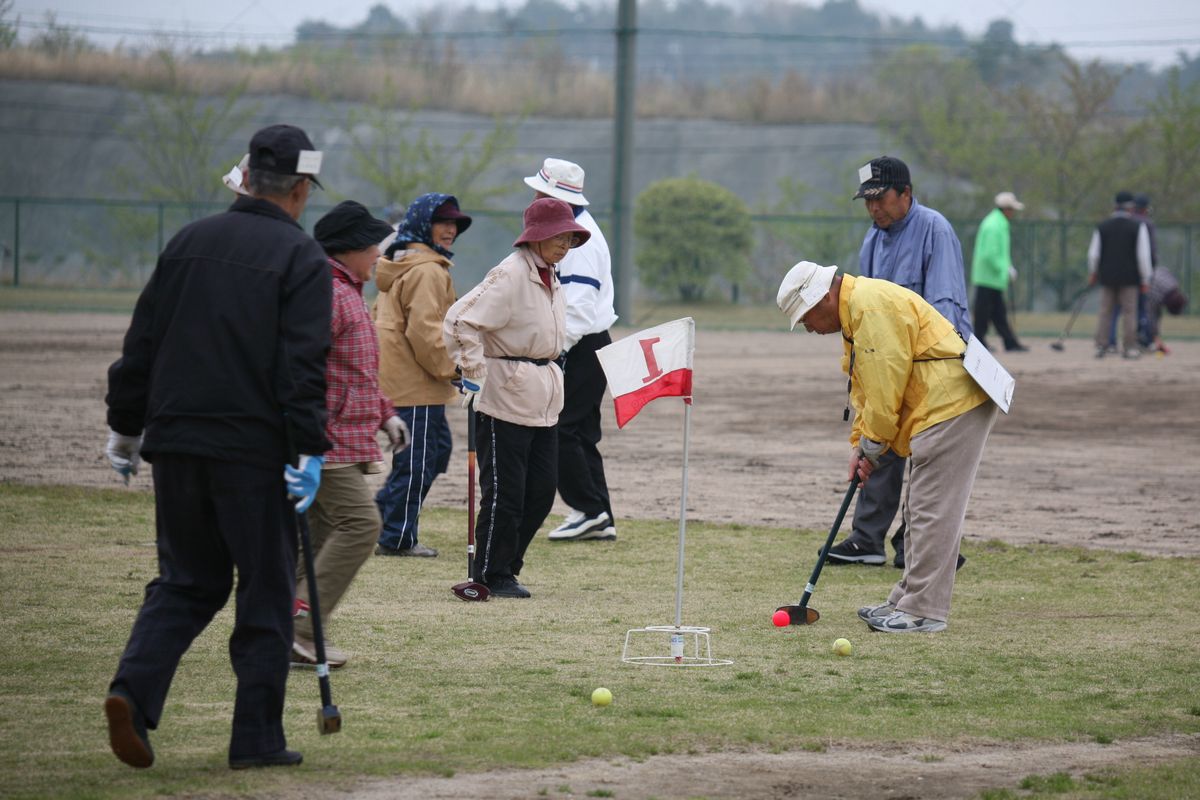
x: 357, y: 408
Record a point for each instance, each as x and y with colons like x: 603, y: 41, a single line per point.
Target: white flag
x: 656, y: 362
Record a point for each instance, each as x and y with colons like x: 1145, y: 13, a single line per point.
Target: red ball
x: 781, y: 618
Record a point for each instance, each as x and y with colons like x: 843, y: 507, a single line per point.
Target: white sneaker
x: 304, y: 652
x: 573, y: 518
x: 901, y: 622
x: 597, y: 528
x: 868, y: 613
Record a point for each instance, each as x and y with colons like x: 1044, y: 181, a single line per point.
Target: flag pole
x: 687, y: 428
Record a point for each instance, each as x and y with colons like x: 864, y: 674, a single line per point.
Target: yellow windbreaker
x: 905, y: 363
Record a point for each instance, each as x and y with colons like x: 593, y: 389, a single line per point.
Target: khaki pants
x: 942, y: 471
x: 344, y: 522
x: 1127, y: 297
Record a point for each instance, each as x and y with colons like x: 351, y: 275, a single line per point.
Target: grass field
x: 1045, y: 644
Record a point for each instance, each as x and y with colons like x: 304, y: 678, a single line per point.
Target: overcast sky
x: 1117, y: 30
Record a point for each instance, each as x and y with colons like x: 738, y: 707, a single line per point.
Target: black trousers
x: 581, y: 479
x: 212, y: 516
x: 990, y: 309
x: 518, y: 465
x: 878, y: 502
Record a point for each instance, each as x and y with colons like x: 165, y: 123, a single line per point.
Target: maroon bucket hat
x: 546, y: 218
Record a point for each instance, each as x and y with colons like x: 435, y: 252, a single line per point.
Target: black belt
x: 541, y: 362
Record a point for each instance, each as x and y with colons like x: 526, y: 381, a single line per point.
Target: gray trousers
x: 878, y: 502
x: 944, y: 461
x: 344, y: 522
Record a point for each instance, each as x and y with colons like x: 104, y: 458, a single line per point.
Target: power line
x: 574, y: 33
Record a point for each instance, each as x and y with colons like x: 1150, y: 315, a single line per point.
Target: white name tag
x: 864, y: 173
x: 309, y: 162
x: 986, y: 371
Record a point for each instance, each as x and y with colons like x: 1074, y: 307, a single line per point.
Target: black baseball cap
x: 285, y: 150
x: 880, y: 175
x: 1123, y: 198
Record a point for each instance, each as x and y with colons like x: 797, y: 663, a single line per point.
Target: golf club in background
x: 470, y: 589
x: 1058, y: 345
x: 329, y: 719
x: 801, y: 614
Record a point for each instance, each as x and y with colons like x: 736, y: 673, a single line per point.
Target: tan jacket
x: 414, y: 294
x: 511, y: 313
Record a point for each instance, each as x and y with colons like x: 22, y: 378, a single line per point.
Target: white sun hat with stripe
x: 559, y: 179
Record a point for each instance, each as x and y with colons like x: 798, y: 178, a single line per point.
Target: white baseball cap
x: 1009, y: 200
x: 802, y: 288
x: 559, y: 179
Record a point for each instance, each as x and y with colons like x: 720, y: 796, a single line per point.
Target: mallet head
x: 329, y: 720
x: 471, y: 591
x: 800, y: 615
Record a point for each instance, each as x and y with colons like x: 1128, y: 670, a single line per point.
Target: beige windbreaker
x: 415, y: 292
x: 511, y: 313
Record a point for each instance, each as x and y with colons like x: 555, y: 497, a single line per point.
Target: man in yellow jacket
x: 912, y: 395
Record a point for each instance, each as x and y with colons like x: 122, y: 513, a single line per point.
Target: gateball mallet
x: 801, y: 614
x: 1074, y: 313
x: 470, y: 589
x: 329, y: 719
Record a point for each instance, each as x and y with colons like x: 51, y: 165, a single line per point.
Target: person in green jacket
x: 991, y: 270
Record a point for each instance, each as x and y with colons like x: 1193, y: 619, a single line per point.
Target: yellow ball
x: 601, y: 697
x: 842, y: 647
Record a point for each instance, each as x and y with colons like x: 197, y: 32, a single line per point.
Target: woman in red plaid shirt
x: 344, y: 519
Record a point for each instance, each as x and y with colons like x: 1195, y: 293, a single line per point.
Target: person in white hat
x: 913, y: 397
x: 992, y: 269
x: 586, y: 276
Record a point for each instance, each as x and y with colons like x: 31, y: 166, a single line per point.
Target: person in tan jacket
x: 415, y: 291
x: 505, y: 335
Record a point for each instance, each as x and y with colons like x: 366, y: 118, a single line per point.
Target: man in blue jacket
x: 220, y: 383
x: 914, y: 246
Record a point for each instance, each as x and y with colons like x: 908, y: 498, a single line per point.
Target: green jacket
x: 992, y: 260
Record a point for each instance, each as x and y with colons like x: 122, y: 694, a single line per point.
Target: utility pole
x: 624, y: 111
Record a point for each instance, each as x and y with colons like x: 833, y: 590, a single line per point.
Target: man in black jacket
x: 220, y: 382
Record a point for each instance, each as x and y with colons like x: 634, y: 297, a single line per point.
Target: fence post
x: 1187, y: 261
x: 160, y: 227
x: 17, y: 242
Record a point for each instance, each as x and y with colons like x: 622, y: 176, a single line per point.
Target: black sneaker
x: 508, y: 587
x: 280, y: 758
x: 127, y: 730
x: 849, y: 552
x: 581, y: 528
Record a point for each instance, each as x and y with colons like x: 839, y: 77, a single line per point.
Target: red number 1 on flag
x: 651, y: 363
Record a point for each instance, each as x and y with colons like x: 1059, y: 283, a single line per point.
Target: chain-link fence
x: 85, y: 243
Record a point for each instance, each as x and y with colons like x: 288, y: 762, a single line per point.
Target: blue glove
x: 470, y: 388
x: 303, y: 480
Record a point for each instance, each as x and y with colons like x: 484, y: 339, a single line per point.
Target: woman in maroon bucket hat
x: 505, y: 335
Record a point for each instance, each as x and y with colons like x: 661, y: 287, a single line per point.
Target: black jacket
x: 228, y: 338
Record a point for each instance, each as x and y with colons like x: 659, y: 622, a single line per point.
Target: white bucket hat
x: 802, y: 288
x: 559, y: 179
x: 235, y: 179
x: 1009, y: 200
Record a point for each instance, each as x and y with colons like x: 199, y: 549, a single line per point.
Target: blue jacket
x: 921, y: 253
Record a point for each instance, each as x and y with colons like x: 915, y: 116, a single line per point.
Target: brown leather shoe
x: 127, y: 730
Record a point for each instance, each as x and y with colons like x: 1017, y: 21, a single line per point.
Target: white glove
x: 124, y: 453
x: 1012, y: 273
x: 871, y: 450
x: 397, y: 433
x: 470, y: 388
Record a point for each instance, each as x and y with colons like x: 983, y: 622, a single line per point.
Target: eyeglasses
x: 564, y: 240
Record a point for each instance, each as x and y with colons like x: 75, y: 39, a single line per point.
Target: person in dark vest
x: 1119, y: 261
